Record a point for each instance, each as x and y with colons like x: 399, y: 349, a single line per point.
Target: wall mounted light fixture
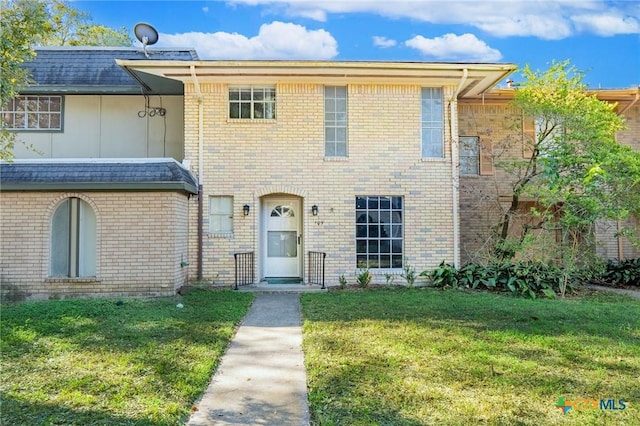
x: 246, y: 209
x: 314, y: 210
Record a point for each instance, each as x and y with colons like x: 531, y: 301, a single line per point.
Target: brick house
x: 492, y: 129
x: 99, y: 204
x: 352, y: 159
x: 370, y: 163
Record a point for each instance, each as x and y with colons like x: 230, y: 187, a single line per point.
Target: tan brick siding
x: 484, y: 198
x: 141, y: 240
x: 251, y: 160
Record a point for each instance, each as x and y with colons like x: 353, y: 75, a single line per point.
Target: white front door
x: 282, y: 218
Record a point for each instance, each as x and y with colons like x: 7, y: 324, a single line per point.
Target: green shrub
x: 528, y: 279
x: 621, y: 273
x: 363, y: 279
x: 409, y: 274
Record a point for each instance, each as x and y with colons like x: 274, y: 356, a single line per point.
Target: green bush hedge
x: 528, y: 279
x: 619, y: 273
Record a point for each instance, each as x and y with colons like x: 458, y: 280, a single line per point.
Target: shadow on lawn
x: 17, y: 412
x: 483, y: 312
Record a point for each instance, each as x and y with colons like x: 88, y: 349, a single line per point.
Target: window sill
x: 434, y: 159
x: 228, y: 235
x: 251, y: 120
x: 336, y: 159
x: 80, y: 280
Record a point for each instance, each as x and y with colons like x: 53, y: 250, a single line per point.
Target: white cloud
x: 607, y: 25
x: 205, y: 9
x: 277, y: 40
x: 546, y: 19
x: 383, y: 42
x: 452, y: 47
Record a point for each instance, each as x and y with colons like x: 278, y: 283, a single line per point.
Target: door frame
x: 268, y: 201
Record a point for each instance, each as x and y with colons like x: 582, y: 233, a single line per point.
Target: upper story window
x: 252, y: 103
x: 335, y: 121
x: 469, y: 155
x: 432, y: 123
x: 33, y: 113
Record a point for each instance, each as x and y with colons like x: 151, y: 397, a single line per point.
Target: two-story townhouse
x: 357, y: 160
x: 493, y: 130
x: 96, y: 201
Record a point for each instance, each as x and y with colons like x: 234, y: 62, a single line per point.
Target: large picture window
x: 379, y: 233
x: 432, y: 123
x: 252, y: 103
x: 335, y: 121
x: 33, y: 113
x: 73, y: 240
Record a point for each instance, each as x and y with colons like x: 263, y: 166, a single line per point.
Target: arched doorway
x: 282, y: 238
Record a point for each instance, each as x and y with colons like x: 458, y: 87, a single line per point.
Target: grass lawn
x: 96, y: 362
x: 431, y: 357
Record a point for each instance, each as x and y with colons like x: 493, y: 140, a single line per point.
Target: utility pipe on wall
x: 455, y: 172
x: 200, y: 170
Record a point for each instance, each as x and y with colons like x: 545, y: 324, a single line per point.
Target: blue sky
x: 599, y: 37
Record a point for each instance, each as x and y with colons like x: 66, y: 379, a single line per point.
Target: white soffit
x: 480, y: 77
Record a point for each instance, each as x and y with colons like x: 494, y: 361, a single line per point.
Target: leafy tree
x: 22, y: 22
x: 25, y: 24
x: 71, y: 27
x: 577, y: 172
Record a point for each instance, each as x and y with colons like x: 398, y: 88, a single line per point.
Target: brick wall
x: 252, y: 160
x: 484, y: 198
x: 141, y: 240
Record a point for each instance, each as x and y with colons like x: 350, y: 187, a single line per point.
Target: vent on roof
x: 146, y: 34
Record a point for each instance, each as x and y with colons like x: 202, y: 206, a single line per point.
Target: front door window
x: 282, y: 237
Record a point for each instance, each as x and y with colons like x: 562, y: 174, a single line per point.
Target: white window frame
x: 73, y: 240
x: 252, y: 103
x: 380, y: 232
x: 432, y: 122
x: 221, y: 215
x: 32, y: 113
x: 336, y: 122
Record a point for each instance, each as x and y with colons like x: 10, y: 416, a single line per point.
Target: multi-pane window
x: 33, y: 113
x: 379, y: 233
x: 469, y: 155
x: 335, y: 121
x: 432, y: 123
x: 252, y: 103
x: 221, y: 215
x: 73, y: 240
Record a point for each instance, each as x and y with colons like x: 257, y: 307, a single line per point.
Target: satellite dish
x: 146, y: 34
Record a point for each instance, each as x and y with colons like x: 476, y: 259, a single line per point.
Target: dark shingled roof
x: 94, y: 70
x: 109, y: 175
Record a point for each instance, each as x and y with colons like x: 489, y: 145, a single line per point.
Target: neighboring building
x: 86, y: 208
x: 492, y: 129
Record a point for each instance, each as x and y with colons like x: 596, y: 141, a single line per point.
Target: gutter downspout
x: 200, y: 170
x: 455, y: 172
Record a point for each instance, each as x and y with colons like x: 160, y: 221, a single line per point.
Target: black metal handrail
x: 316, y: 267
x: 245, y: 268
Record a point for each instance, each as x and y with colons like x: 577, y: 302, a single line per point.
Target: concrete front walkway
x: 261, y: 379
